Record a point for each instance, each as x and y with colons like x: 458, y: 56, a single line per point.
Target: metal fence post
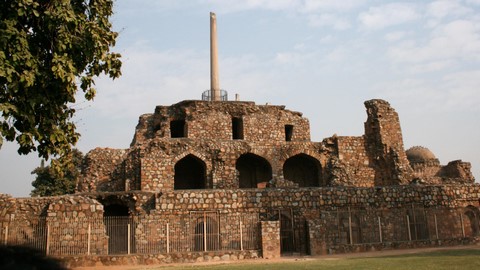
x: 380, y: 230
x: 408, y: 228
x: 89, y: 238
x: 47, y: 249
x: 128, y: 240
x: 241, y: 231
x: 204, y: 231
x: 436, y: 225
x: 168, y: 237
x: 6, y: 234
x: 463, y: 226
x: 350, y: 226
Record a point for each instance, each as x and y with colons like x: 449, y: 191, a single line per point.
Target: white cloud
x: 395, y: 36
x: 380, y: 17
x: 332, y: 20
x: 228, y: 6
x: 330, y: 5
x: 457, y: 40
x: 443, y: 8
x: 152, y: 77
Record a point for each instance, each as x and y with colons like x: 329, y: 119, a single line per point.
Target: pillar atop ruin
x: 214, y: 80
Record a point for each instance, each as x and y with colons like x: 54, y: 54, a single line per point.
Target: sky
x: 320, y: 57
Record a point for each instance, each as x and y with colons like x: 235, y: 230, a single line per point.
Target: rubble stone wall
x: 353, y: 156
x: 158, y: 160
x: 213, y: 120
x: 103, y: 170
x: 384, y: 142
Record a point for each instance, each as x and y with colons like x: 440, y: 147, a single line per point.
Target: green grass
x: 438, y: 260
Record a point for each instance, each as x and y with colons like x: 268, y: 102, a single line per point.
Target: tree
x: 49, y: 50
x: 50, y: 182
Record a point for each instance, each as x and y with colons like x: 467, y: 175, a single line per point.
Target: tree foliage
x: 51, y: 182
x: 50, y: 49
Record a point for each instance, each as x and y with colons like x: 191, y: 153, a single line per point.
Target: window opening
x: 237, y: 128
x: 177, y: 129
x: 288, y: 132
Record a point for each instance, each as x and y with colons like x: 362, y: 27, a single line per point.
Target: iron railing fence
x: 198, y: 231
x: 213, y: 231
x: 412, y: 223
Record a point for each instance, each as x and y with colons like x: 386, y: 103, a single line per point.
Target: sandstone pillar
x: 214, y: 80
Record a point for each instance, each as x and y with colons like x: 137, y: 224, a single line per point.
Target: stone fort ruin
x: 215, y: 179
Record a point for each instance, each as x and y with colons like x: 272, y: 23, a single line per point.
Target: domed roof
x: 419, y: 154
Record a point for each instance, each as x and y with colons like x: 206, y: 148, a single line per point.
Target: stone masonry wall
x: 103, y: 170
x: 213, y: 120
x: 220, y: 157
x: 353, y: 163
x: 384, y: 144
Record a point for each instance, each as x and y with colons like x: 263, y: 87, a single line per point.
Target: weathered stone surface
x: 219, y: 161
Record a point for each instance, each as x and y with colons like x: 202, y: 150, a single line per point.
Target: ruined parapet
x: 103, y: 170
x: 457, y: 171
x: 222, y: 120
x: 384, y: 144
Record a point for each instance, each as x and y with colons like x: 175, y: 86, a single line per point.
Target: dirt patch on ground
x: 287, y: 258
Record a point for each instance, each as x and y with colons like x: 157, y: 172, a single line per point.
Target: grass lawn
x: 437, y: 260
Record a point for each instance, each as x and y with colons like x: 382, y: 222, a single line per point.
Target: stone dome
x: 419, y: 154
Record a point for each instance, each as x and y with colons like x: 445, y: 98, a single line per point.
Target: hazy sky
x: 321, y: 57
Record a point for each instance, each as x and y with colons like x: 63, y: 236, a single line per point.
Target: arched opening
x: 253, y: 170
x: 190, y: 173
x: 206, y: 234
x: 303, y: 170
x: 119, y: 227
x: 472, y: 223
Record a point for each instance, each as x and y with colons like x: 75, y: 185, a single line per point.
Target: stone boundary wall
x: 326, y: 198
x: 136, y: 259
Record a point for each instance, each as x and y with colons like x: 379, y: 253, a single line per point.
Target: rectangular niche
x: 237, y: 128
x: 288, y: 132
x: 178, y: 129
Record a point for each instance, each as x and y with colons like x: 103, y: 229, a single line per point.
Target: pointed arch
x: 190, y: 173
x: 252, y: 169
x: 302, y: 169
x: 473, y: 222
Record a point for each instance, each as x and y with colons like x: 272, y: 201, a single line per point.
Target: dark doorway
x: 303, y: 170
x: 177, y: 129
x: 237, y: 128
x: 472, y: 223
x: 286, y: 235
x: 288, y: 132
x: 119, y: 226
x: 190, y: 173
x: 253, y: 170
